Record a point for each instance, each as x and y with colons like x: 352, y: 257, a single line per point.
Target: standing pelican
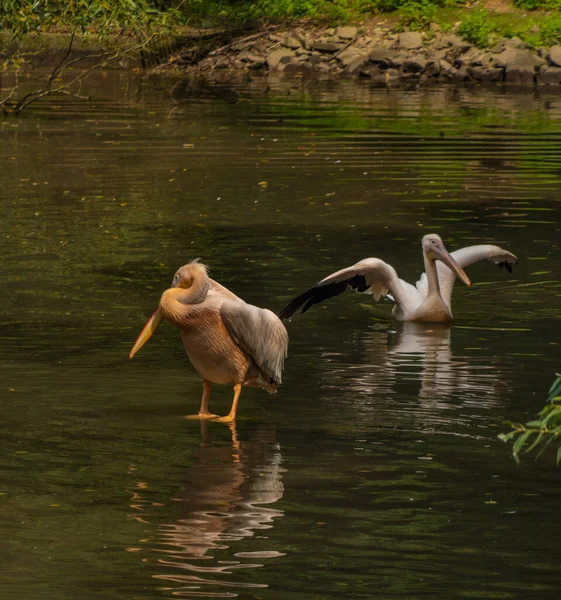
x: 429, y: 300
x: 226, y: 339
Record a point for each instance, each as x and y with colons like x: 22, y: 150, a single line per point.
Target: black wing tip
x: 508, y: 264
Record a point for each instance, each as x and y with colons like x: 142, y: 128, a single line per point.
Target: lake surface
x: 375, y: 472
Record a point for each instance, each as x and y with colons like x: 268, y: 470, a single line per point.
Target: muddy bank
x: 380, y: 55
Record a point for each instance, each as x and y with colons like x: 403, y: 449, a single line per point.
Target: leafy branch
x: 541, y: 432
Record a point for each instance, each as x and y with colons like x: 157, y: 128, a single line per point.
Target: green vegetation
x: 541, y: 432
x: 538, y: 4
x: 477, y: 28
x: 481, y: 27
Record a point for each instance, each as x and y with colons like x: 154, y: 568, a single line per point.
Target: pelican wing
x: 220, y: 289
x: 369, y: 276
x: 260, y: 333
x: 466, y: 257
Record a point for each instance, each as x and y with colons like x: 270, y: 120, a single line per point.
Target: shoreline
x: 308, y: 51
x: 381, y: 56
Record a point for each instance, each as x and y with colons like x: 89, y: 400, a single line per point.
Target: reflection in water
x: 225, y: 500
x: 416, y: 359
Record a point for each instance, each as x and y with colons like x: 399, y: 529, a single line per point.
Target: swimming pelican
x: 226, y: 339
x: 429, y: 300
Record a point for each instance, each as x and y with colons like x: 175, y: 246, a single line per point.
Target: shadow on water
x: 228, y: 496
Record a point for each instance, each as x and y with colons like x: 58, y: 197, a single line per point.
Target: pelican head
x: 434, y: 249
x: 185, y: 275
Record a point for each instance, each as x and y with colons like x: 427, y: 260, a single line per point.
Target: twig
x: 245, y: 39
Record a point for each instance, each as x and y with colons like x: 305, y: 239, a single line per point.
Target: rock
x: 292, y: 42
x: 330, y: 47
x: 520, y: 65
x: 391, y: 75
x: 432, y: 69
x: 356, y: 64
x: 382, y: 56
x: 370, y: 71
x: 397, y: 61
x: 483, y: 73
x: 468, y: 58
x: 554, y: 56
x: 276, y: 57
x: 315, y: 59
x: 299, y: 68
x: 347, y: 56
x: 446, y: 67
x: 346, y: 33
x: 460, y: 74
x: 550, y: 76
x: 452, y: 41
x: 255, y: 60
x: 515, y: 42
x: 414, y: 64
x: 409, y: 40
x: 303, y: 39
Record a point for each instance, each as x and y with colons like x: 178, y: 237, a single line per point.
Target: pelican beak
x: 147, y: 331
x: 449, y: 261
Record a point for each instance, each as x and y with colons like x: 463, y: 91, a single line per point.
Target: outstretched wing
x: 260, y: 333
x: 369, y: 276
x: 466, y: 257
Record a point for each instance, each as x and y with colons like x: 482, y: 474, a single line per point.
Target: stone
x: 392, y: 75
x: 292, y: 42
x: 346, y: 33
x: 277, y: 57
x: 554, y: 56
x: 330, y: 47
x: 550, y: 76
x: 414, y: 64
x: 370, y: 71
x: 356, y: 64
x: 453, y: 41
x: 382, y: 56
x: 255, y: 60
x: 515, y: 42
x: 520, y: 65
x: 483, y: 73
x: 460, y: 74
x: 397, y: 61
x: 299, y: 68
x: 468, y: 58
x: 446, y: 68
x: 347, y: 56
x: 410, y: 40
x: 303, y: 39
x: 433, y: 68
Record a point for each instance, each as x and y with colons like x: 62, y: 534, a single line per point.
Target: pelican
x: 226, y: 339
x: 429, y: 300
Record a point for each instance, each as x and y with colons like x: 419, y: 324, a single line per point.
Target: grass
x: 480, y: 27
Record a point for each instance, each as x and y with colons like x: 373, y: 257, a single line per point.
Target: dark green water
x: 375, y: 472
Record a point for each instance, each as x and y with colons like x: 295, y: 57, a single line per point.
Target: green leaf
x: 520, y: 442
x: 555, y: 389
x: 558, y: 454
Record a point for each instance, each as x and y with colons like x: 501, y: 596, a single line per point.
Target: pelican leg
x: 203, y: 411
x: 231, y: 416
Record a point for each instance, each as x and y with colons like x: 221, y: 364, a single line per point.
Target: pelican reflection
x: 227, y: 499
x: 418, y: 355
